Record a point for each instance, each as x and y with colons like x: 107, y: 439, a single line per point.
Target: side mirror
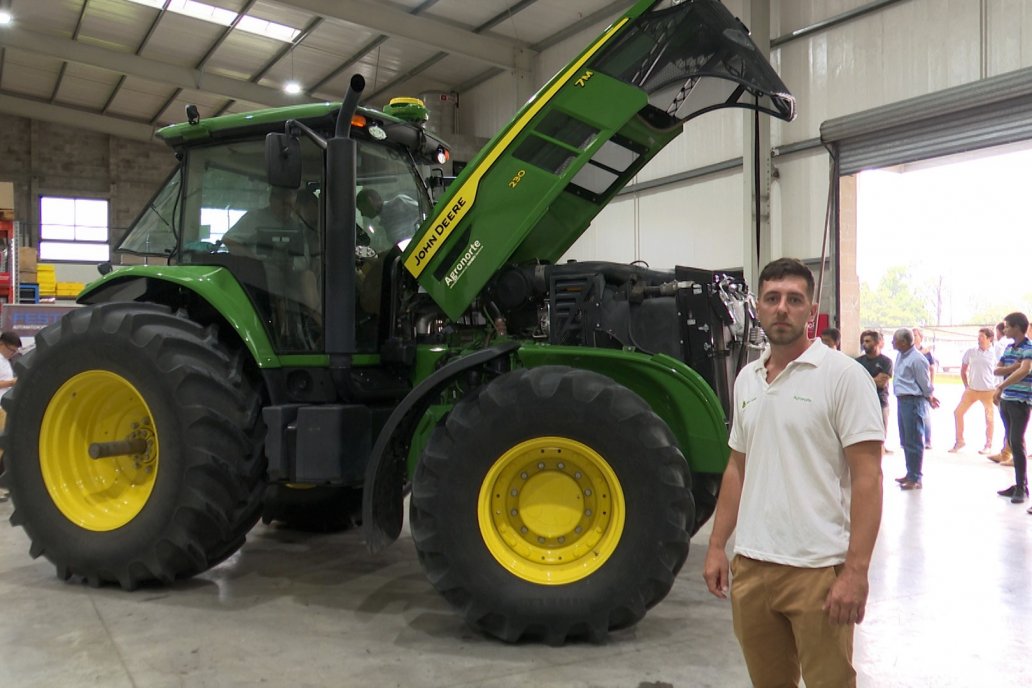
x: 283, y: 160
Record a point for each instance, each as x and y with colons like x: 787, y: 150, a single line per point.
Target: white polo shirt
x: 796, y: 492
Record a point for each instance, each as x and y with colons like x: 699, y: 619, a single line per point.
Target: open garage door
x: 986, y: 113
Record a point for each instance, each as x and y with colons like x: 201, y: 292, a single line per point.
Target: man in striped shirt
x: 1014, y: 395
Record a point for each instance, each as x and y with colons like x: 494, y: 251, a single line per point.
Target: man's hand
x: 933, y: 402
x: 846, y: 602
x: 717, y: 572
x: 881, y: 379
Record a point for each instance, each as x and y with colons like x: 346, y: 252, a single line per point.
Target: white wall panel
x: 799, y: 200
x: 487, y: 107
x: 699, y: 225
x: 613, y: 236
x: 1009, y: 28
x: 903, y: 51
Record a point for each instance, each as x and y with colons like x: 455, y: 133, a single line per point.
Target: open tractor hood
x: 537, y: 185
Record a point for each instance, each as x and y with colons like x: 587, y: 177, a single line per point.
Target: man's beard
x: 785, y: 336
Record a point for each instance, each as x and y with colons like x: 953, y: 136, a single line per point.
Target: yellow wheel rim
x: 97, y: 494
x: 551, y: 510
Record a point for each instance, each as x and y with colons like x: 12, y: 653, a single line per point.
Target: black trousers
x: 1015, y: 420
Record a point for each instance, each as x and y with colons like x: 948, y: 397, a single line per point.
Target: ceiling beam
x: 388, y: 20
x: 144, y: 68
x: 72, y: 117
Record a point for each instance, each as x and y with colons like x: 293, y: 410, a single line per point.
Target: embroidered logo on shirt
x: 746, y: 402
x: 799, y: 398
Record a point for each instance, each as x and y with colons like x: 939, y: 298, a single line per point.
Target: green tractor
x: 319, y: 341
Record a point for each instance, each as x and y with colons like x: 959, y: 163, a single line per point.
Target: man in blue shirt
x: 1014, y: 395
x: 913, y: 388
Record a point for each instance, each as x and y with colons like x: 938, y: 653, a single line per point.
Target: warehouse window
x: 73, y: 229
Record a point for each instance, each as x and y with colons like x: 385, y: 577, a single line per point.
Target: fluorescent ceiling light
x: 292, y: 87
x: 6, y: 17
x: 217, y: 15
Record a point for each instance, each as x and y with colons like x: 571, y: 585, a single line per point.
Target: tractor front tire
x: 178, y: 502
x: 552, y: 504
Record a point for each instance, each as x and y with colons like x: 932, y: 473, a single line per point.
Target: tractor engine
x: 702, y: 317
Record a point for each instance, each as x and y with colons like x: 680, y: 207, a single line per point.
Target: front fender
x: 215, y: 285
x: 676, y: 393
x: 382, y: 510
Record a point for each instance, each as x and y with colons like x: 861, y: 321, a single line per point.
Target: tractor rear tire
x: 133, y: 371
x: 552, y: 504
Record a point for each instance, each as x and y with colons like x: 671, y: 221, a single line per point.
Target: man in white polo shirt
x: 976, y: 372
x: 804, y: 488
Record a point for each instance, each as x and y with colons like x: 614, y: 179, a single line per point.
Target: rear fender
x: 216, y: 286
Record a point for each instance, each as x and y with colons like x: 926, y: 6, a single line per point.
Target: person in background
x: 244, y: 238
x: 976, y: 372
x: 805, y: 450
x: 999, y: 347
x: 832, y: 338
x: 880, y: 367
x: 926, y: 351
x: 10, y: 346
x: 914, y: 395
x: 1014, y: 395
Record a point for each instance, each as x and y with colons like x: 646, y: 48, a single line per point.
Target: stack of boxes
x: 28, y: 290
x: 26, y: 265
x: 46, y: 278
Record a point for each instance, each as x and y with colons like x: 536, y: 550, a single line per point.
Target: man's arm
x: 963, y: 374
x: 846, y: 602
x: 1005, y: 370
x: 1022, y: 370
x: 716, y: 569
x: 923, y: 378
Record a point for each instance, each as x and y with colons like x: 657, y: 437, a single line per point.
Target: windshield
x: 153, y: 233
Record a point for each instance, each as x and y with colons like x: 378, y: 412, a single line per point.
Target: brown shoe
x: 956, y: 448
x: 1007, y: 462
x: 997, y: 458
x: 901, y: 480
x: 910, y: 485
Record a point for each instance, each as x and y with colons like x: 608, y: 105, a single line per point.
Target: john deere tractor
x: 314, y: 340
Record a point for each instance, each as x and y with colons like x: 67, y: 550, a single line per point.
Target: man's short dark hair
x: 987, y: 331
x: 787, y: 267
x: 1000, y: 326
x: 10, y: 338
x: 833, y: 333
x: 873, y: 334
x: 1016, y: 319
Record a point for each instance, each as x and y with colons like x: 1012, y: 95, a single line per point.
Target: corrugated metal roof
x: 141, y: 64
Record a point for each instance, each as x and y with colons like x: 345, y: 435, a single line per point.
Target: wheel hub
x: 551, y: 510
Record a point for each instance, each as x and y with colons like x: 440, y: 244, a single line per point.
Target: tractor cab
x: 218, y: 209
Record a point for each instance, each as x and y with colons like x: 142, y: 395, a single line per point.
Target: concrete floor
x: 950, y: 606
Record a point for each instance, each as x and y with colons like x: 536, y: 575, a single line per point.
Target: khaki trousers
x: 782, y: 629
x: 967, y: 399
